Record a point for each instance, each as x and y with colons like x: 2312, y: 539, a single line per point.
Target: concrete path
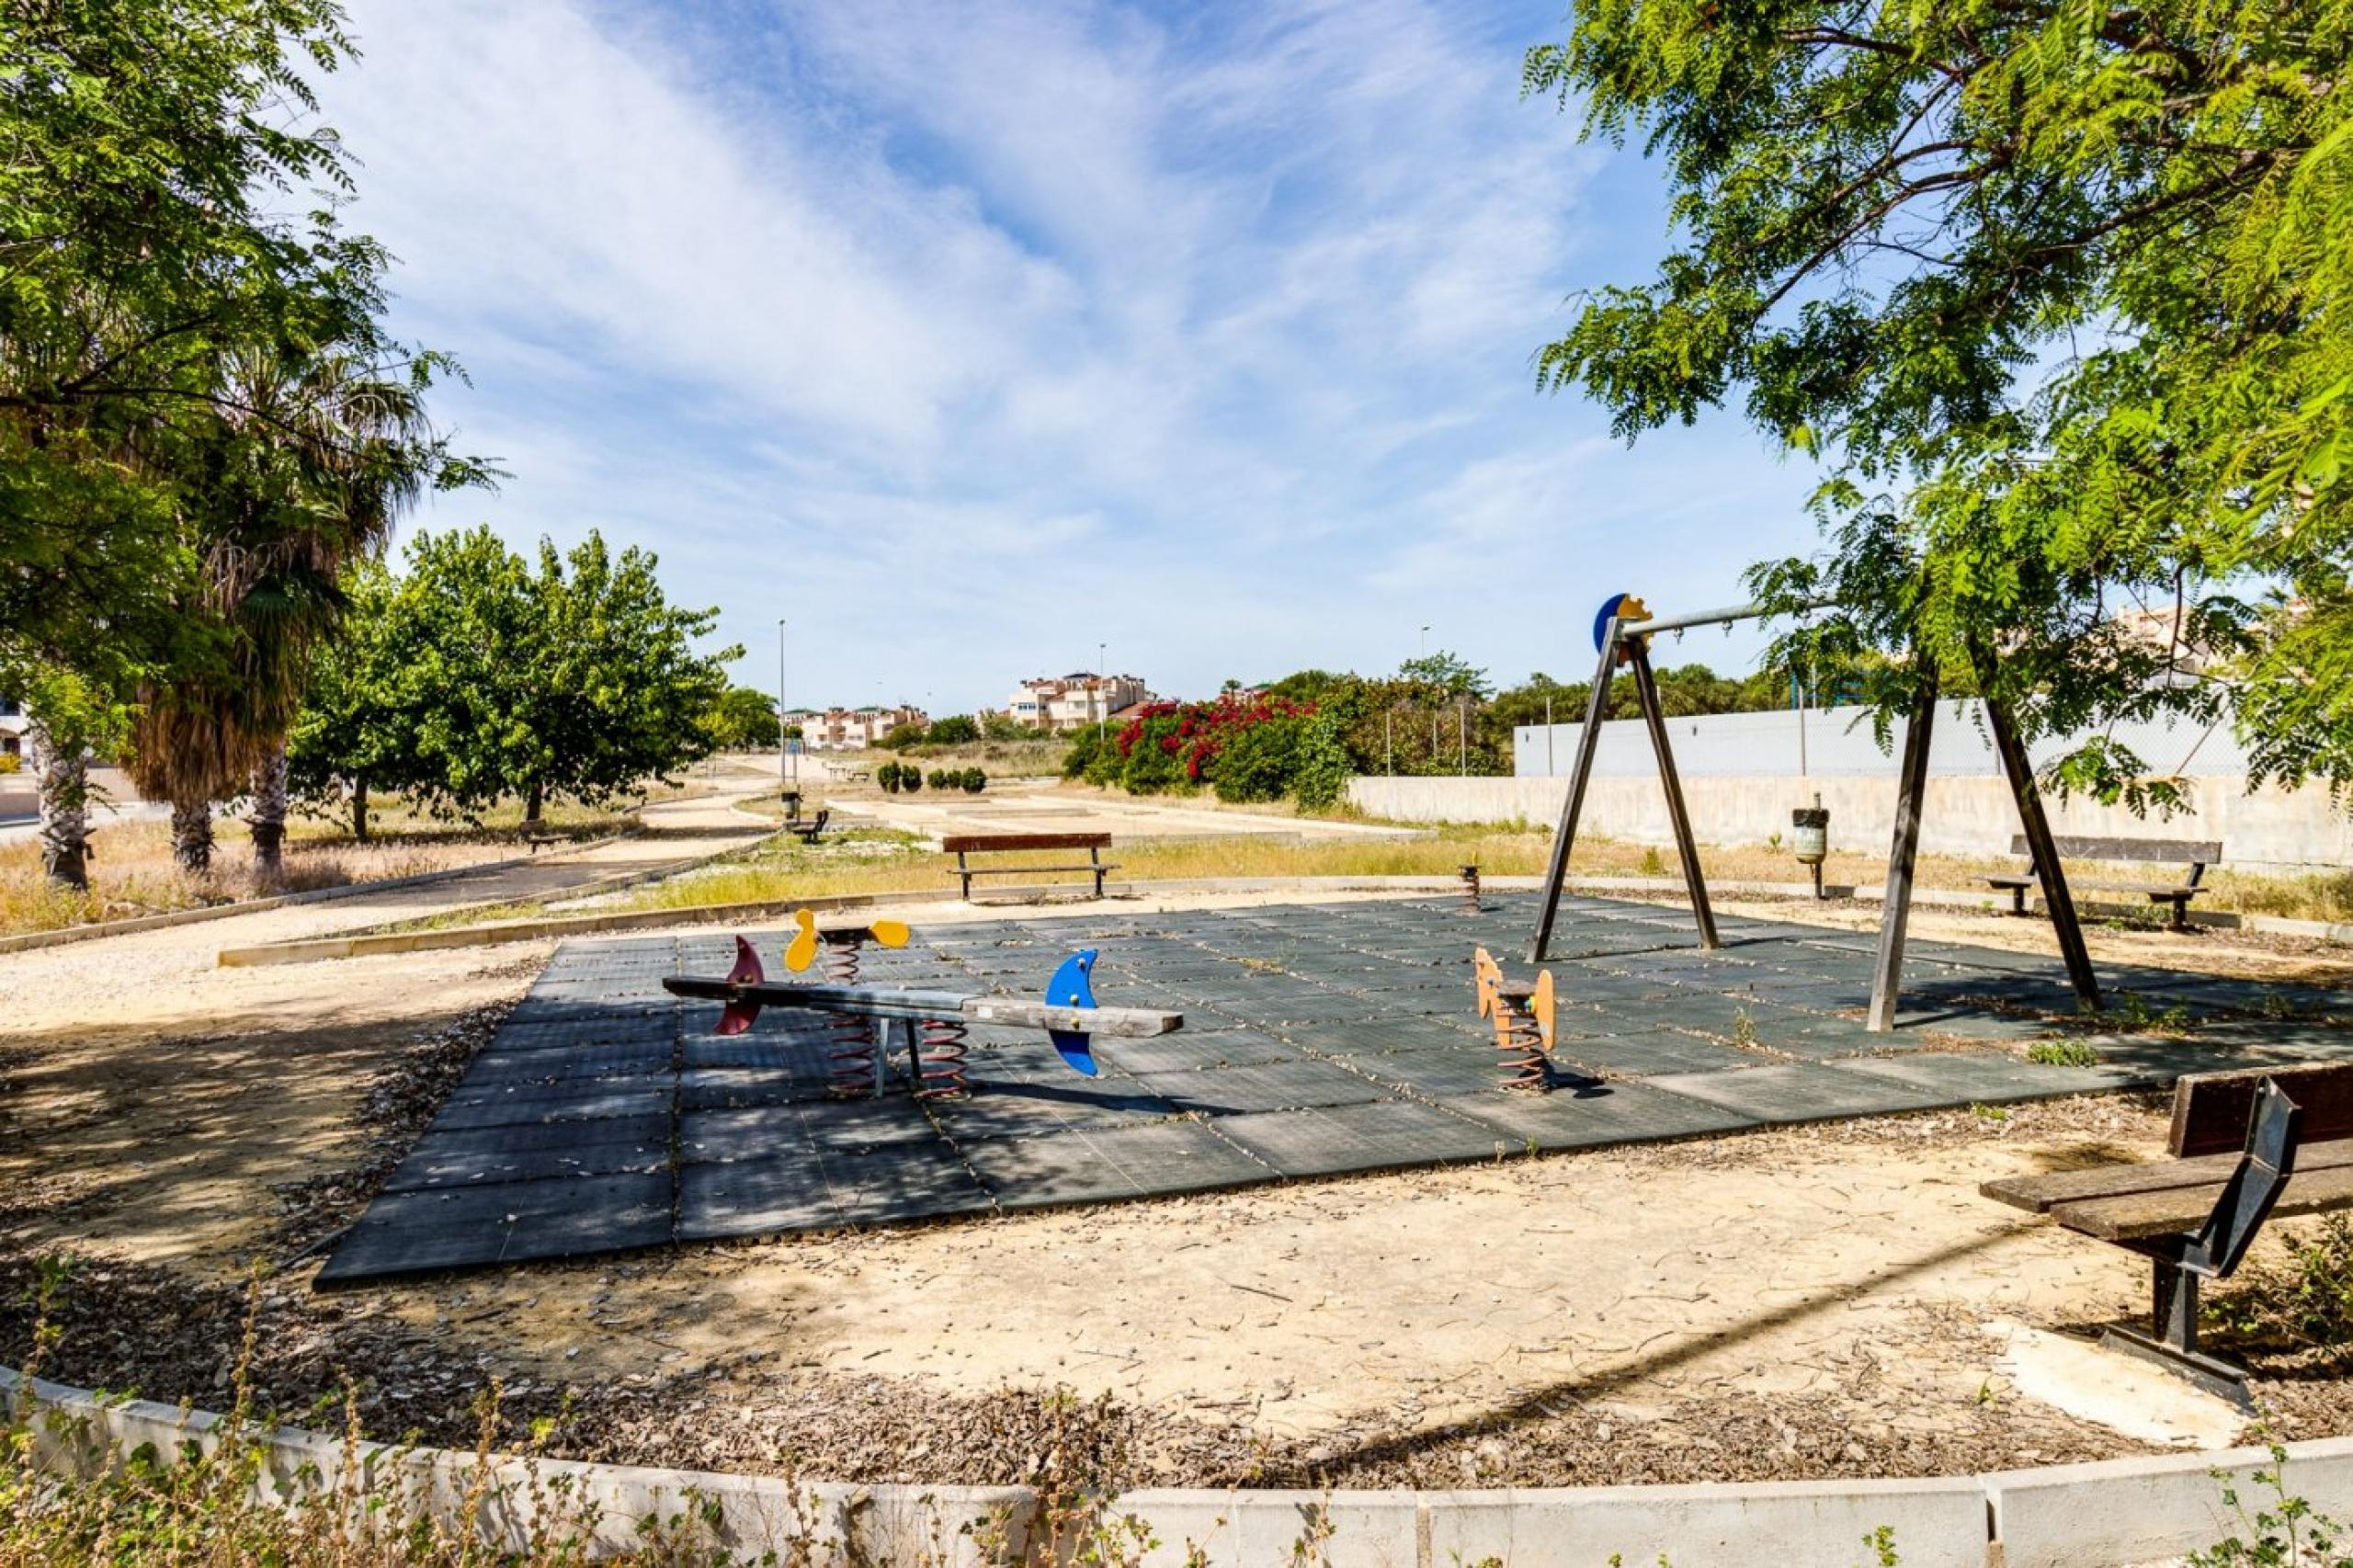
x: 173, y: 956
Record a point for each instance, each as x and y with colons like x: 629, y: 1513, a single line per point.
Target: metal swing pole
x: 1895, y: 904
x: 1685, y: 847
x: 1597, y: 708
x: 2037, y: 827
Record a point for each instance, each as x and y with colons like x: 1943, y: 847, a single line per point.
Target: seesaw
x: 932, y: 1024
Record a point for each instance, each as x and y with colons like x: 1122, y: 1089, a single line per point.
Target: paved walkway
x: 173, y: 956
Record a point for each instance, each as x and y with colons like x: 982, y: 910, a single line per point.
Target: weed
x: 2304, y: 1301
x: 1743, y: 1027
x: 2285, y: 1531
x: 1993, y: 1113
x: 2062, y: 1054
x: 1651, y: 864
x: 1882, y: 1541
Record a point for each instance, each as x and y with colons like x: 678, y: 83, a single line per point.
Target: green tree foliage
x: 744, y: 717
x: 572, y: 677
x: 899, y: 737
x: 955, y: 730
x: 161, y: 223
x: 356, y: 730
x: 2063, y: 291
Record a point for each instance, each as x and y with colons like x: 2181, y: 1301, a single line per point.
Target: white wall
x: 1834, y: 742
x: 1964, y: 814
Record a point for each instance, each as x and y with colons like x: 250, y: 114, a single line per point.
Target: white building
x: 851, y: 729
x: 14, y: 741
x: 1056, y: 704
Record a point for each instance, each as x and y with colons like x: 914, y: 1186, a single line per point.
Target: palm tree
x: 309, y: 473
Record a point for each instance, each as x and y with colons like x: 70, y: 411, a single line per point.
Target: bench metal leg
x: 2172, y: 1340
x: 2180, y: 921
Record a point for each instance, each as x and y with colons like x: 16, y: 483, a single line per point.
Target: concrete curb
x: 355, y: 945
x: 2082, y: 1515
x: 31, y: 940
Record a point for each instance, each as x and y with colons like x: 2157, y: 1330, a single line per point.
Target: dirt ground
x: 1828, y: 1301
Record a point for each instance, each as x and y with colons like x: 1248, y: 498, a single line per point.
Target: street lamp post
x: 784, y: 747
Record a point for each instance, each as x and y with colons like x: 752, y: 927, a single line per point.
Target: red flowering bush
x: 1170, y: 745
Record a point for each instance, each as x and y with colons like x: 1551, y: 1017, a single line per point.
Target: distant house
x: 1057, y: 703
x: 851, y: 729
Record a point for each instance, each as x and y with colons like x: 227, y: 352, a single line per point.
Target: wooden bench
x: 807, y: 832
x: 964, y: 845
x: 2244, y: 1146
x: 2199, y: 852
x: 539, y: 841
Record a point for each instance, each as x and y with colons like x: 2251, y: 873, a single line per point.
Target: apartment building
x: 850, y: 728
x: 1073, y: 701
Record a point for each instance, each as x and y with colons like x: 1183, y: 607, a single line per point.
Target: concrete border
x: 2082, y: 1516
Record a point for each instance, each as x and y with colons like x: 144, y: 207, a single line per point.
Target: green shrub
x: 1320, y: 770
x: 11, y: 762
x: 955, y: 730
x: 973, y: 780
x: 1259, y: 761
x: 942, y: 778
x: 910, y: 777
x: 886, y: 778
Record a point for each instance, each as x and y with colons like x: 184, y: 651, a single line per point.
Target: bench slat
x: 969, y: 842
x: 2204, y: 851
x: 2137, y: 1216
x: 2210, y: 1110
x: 1017, y: 870
x: 2041, y: 1192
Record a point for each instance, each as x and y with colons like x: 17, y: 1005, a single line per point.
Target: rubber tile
x: 1651, y: 1052
x: 1025, y: 1109
x: 707, y: 1136
x: 788, y: 1055
x: 1088, y: 1165
x: 511, y: 1109
x: 600, y: 1030
x: 415, y: 1232
x: 1436, y: 1074
x: 782, y: 1190
x: 1393, y: 1034
x: 497, y: 1065
x: 1986, y: 1077
x: 880, y: 1185
x: 1382, y: 1135
x: 1607, y: 1114
x: 1802, y: 1093
x: 720, y: 1088
x: 441, y: 1161
x: 1290, y: 1085
x: 1188, y: 1048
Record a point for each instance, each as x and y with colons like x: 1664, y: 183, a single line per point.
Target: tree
x: 744, y: 717
x: 899, y: 737
x: 357, y: 730
x: 955, y: 730
x: 282, y: 501
x: 576, y: 677
x: 2063, y: 292
x: 138, y: 247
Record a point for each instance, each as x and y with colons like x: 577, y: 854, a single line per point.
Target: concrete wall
x: 1835, y: 741
x: 1966, y: 815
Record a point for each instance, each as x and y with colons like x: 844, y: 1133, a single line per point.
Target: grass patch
x: 2062, y: 1054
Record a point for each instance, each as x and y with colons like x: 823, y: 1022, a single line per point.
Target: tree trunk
x: 192, y: 835
x: 533, y: 802
x: 64, y: 807
x: 360, y: 810
x: 269, y: 817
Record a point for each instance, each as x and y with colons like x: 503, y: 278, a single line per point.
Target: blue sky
x: 971, y: 337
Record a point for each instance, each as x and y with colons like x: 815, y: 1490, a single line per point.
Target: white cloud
x: 977, y: 336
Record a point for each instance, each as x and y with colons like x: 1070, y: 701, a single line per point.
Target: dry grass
x: 132, y: 872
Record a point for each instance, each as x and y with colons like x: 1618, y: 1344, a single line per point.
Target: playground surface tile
x: 1319, y: 1039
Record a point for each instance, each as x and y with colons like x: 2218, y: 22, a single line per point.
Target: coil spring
x: 1525, y: 1063
x: 943, y: 1052
x: 850, y: 1059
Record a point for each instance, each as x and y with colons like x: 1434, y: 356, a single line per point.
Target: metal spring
x: 943, y: 1051
x: 1525, y: 1063
x: 851, y: 1062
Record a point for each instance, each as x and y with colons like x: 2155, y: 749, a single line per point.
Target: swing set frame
x: 1622, y: 633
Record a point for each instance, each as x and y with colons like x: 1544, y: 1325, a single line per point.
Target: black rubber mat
x: 1319, y: 1039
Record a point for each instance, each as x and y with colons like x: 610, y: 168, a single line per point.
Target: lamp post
x: 783, y: 747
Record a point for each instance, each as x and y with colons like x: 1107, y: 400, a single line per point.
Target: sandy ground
x: 1829, y: 1300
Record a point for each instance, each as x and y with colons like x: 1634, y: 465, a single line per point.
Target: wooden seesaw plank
x: 876, y: 1001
